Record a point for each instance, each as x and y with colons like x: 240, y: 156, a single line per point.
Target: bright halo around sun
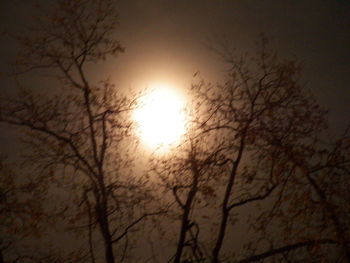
x: 160, y: 118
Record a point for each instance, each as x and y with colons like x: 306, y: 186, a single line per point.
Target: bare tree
x: 274, y: 129
x: 255, y: 140
x: 80, y: 128
x: 313, y: 206
x: 187, y: 177
x: 262, y: 107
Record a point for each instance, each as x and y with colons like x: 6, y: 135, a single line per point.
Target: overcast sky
x: 167, y: 41
x: 169, y: 38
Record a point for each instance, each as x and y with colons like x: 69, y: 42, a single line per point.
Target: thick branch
x: 256, y: 198
x: 133, y: 224
x: 288, y: 248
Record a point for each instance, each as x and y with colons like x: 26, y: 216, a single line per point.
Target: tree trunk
x: 1, y: 257
x: 109, y: 252
x: 182, y: 237
x: 225, y: 203
x: 220, y: 238
x: 186, y: 212
x: 104, y: 228
x: 102, y: 219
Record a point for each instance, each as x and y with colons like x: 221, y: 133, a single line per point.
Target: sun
x: 160, y: 118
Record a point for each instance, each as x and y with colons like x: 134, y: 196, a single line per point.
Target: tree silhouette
x: 80, y: 128
x: 254, y: 166
x: 256, y: 139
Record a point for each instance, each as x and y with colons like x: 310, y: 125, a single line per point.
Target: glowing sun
x: 160, y: 118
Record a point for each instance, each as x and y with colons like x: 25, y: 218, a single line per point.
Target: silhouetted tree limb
x: 288, y: 248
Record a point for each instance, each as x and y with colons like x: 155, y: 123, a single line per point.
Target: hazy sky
x: 167, y: 41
